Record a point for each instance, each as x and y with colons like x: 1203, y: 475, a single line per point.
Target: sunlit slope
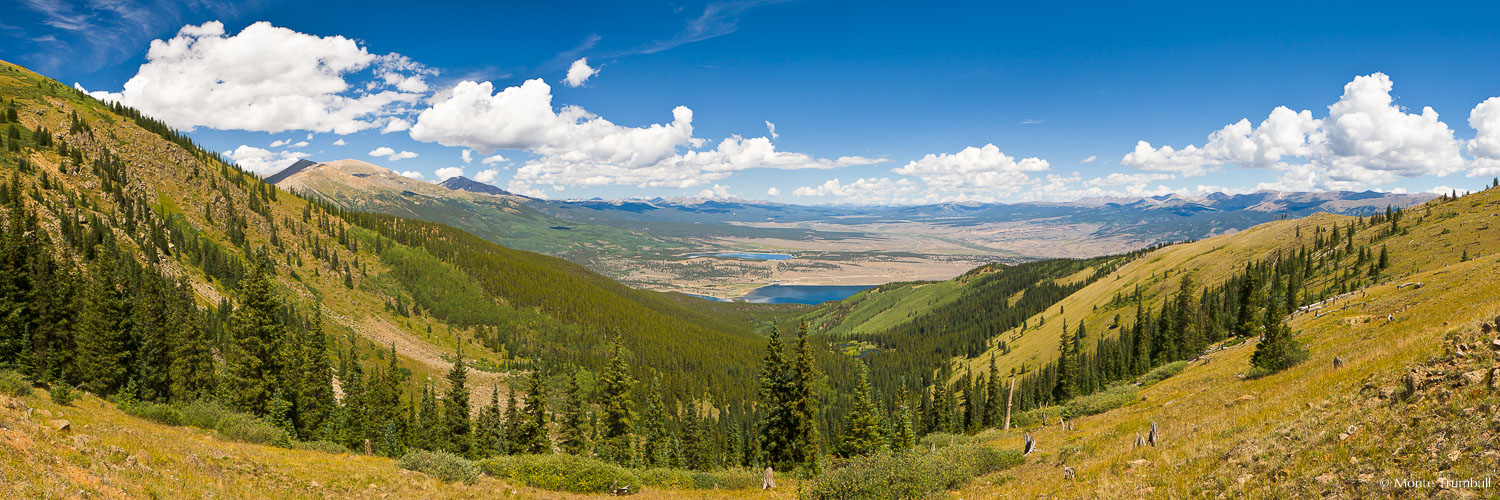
x: 1317, y: 430
x: 422, y: 287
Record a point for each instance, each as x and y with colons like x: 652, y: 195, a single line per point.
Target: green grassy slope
x: 547, y: 308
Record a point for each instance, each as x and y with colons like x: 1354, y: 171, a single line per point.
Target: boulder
x: 61, y: 425
x: 1474, y: 378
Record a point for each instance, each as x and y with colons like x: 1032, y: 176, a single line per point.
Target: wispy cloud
x: 1032, y: 122
x: 718, y: 19
x: 88, y: 34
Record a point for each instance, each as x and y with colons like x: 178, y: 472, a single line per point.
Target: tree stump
x: 1008, y: 399
x: 1338, y: 362
x: 1153, y: 437
x: 769, y: 480
x: 1139, y: 440
x: 1069, y: 474
x: 1030, y: 444
x: 368, y: 450
x: 617, y: 490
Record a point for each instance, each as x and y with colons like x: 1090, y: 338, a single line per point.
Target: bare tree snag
x: 1069, y: 474
x: 1153, y: 437
x: 768, y: 481
x: 1008, y: 399
x: 1030, y: 444
x: 1139, y: 440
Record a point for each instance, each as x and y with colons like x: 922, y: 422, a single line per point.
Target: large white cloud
x: 579, y: 72
x: 391, y: 154
x: 577, y: 148
x: 1365, y: 140
x: 267, y: 78
x: 973, y: 170
x: 862, y: 191
x: 1485, y: 147
x: 261, y: 161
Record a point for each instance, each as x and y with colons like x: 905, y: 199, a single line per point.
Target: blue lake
x: 795, y: 294
x: 744, y: 255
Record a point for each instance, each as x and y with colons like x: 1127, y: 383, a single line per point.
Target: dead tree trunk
x: 1030, y: 444
x: 1008, y: 399
x: 769, y: 480
x: 1139, y: 441
x: 368, y: 451
x: 1153, y: 437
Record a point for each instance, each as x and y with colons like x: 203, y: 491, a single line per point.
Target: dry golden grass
x: 1279, y: 436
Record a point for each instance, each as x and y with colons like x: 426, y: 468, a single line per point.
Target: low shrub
x: 1161, y: 373
x: 247, y: 428
x: 909, y: 475
x: 442, y: 465
x: 1102, y: 401
x: 729, y: 479
x: 155, y: 412
x: 1037, y: 415
x: 560, y: 472
x: 203, y: 414
x: 666, y: 478
x: 14, y: 384
x: 322, y: 446
x: 62, y: 393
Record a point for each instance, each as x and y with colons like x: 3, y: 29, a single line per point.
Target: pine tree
x: 864, y: 434
x: 615, y: 407
x: 778, y: 426
x: 489, y: 427
x: 654, y: 427
x: 574, y: 438
x: 1067, y: 365
x: 429, y: 424
x: 805, y: 406
x: 903, y: 436
x: 104, y: 327
x: 514, y: 423
x: 1277, y: 349
x: 250, y: 372
x: 193, y: 365
x: 534, y: 436
x: 695, y: 445
x: 994, y: 411
x: 456, y: 408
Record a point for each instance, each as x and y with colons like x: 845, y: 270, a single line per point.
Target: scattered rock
x: 1474, y: 378
x: 1495, y: 379
x: 1327, y: 478
x: 1348, y: 433
x: 61, y: 425
x: 1239, y: 400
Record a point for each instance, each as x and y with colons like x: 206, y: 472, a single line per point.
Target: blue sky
x: 900, y: 102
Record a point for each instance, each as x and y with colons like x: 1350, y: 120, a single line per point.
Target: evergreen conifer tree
x: 456, y: 408
x: 864, y: 434
x: 574, y: 437
x: 617, y: 418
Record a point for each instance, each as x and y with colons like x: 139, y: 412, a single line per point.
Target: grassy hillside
x: 1317, y: 430
x: 156, y: 193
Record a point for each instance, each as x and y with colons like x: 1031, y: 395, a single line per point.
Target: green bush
x: 1102, y: 401
x: 62, y: 393
x: 14, y: 384
x: 155, y: 412
x: 909, y: 475
x: 203, y: 414
x: 323, y: 446
x: 442, y: 465
x: 561, y: 472
x: 666, y: 478
x: 1161, y: 373
x: 730, y: 479
x: 247, y: 428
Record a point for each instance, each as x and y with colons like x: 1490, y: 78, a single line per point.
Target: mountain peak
x: 461, y: 183
x: 289, y: 171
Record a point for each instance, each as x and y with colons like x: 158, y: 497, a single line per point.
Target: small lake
x: 743, y: 255
x: 795, y: 294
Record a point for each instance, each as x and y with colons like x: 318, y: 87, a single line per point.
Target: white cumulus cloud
x: 391, y: 154
x: 1365, y: 140
x: 487, y: 176
x: 862, y: 191
x: 579, y: 72
x: 774, y: 191
x: 493, y: 159
x: 717, y: 192
x: 578, y: 148
x: 1485, y: 147
x: 265, y: 78
x: 467, y: 156
x: 445, y: 173
x: 412, y: 174
x: 339, y: 142
x: 261, y: 161
x: 771, y: 127
x: 973, y: 170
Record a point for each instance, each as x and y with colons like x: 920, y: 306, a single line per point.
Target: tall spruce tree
x: 865, y: 432
x: 615, y: 406
x: 654, y: 427
x: 805, y: 405
x: 904, y: 435
x: 778, y: 426
x: 574, y: 437
x: 251, y: 369
x: 104, y: 328
x: 456, y: 408
x: 535, y: 437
